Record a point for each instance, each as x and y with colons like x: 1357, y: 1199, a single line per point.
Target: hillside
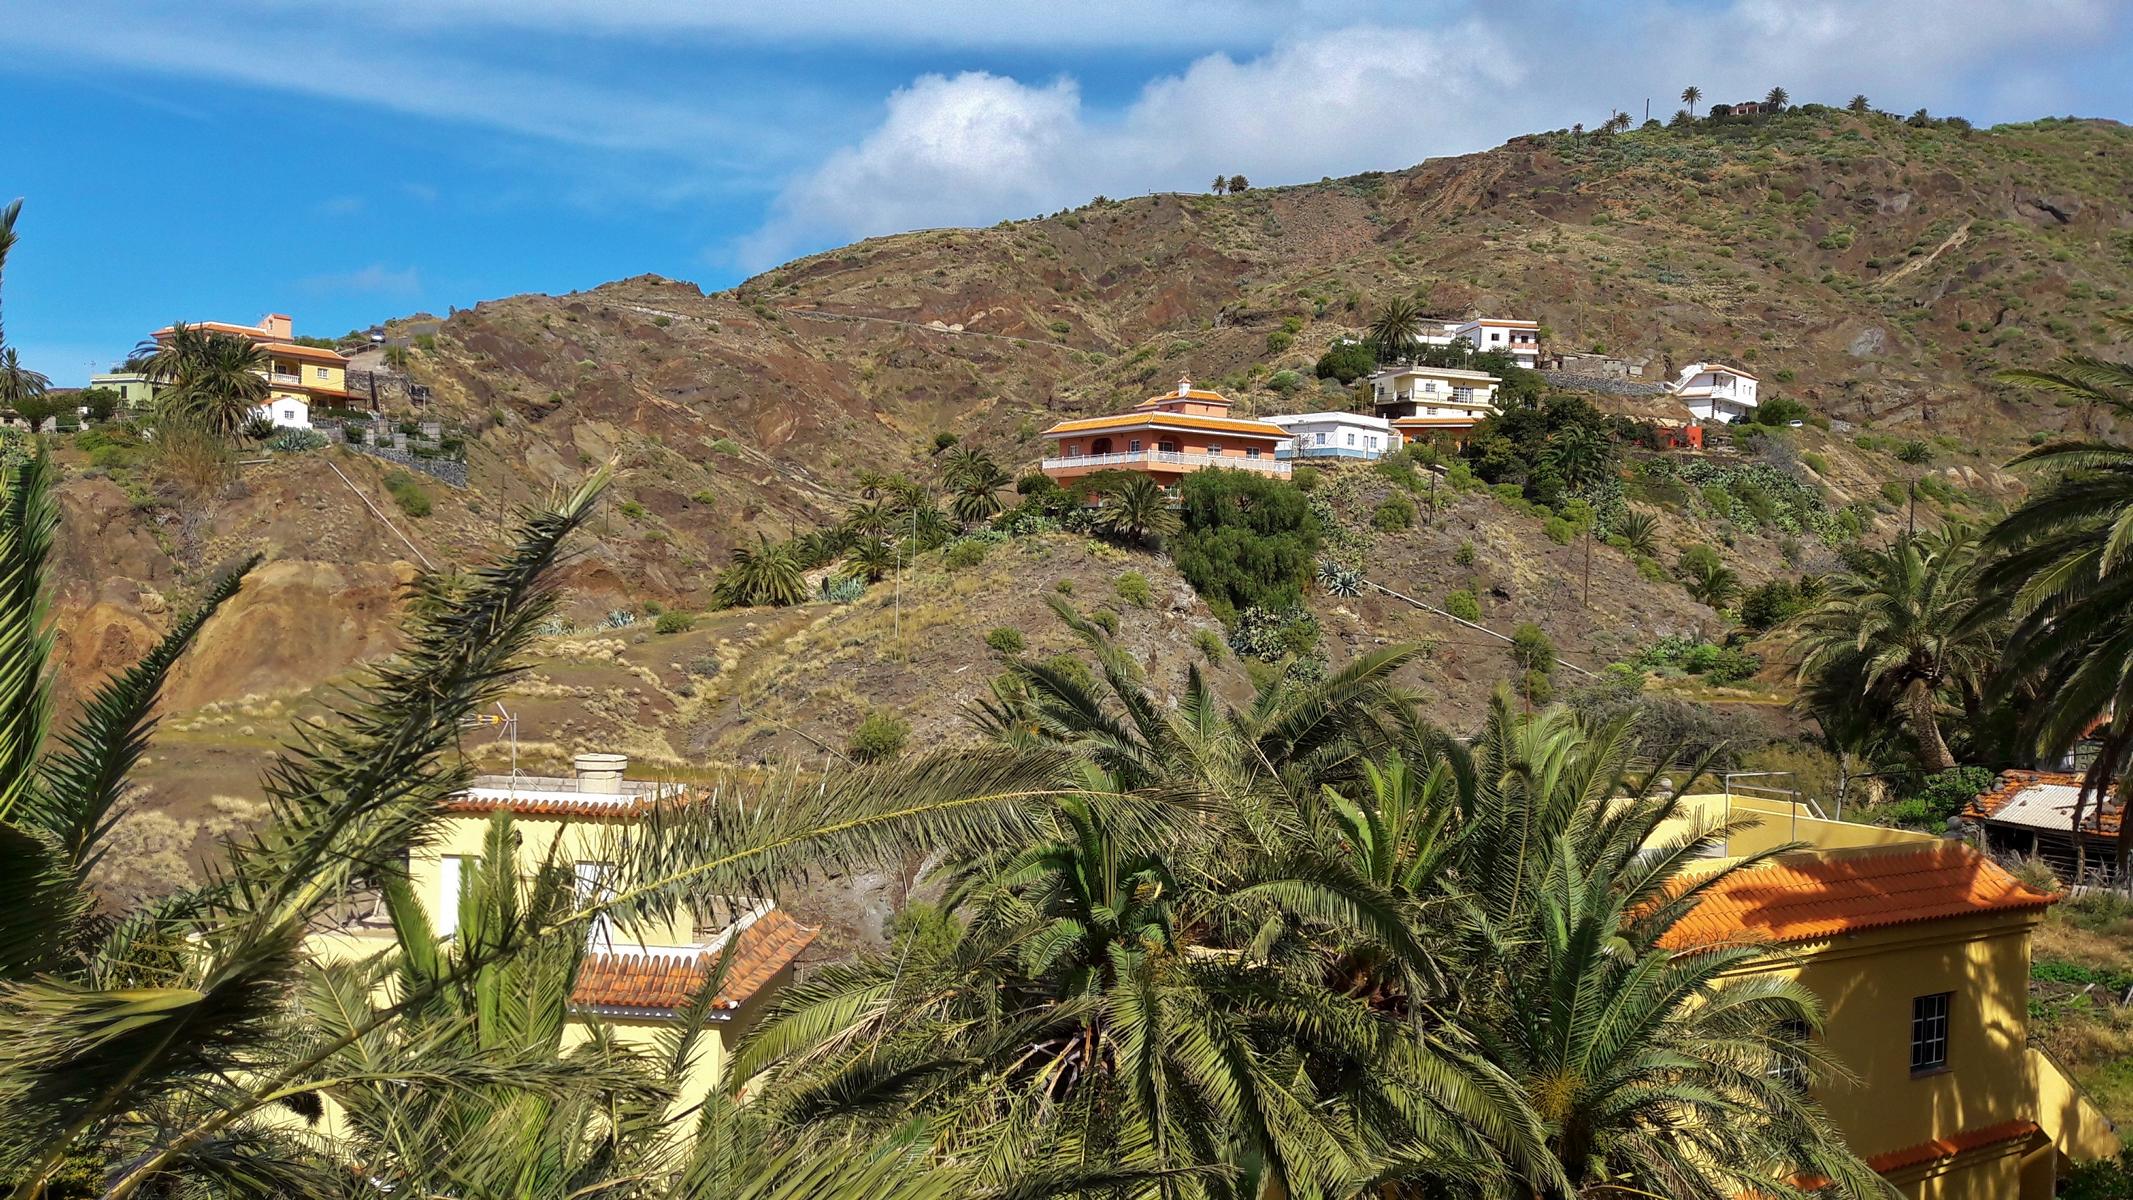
x: 1875, y: 271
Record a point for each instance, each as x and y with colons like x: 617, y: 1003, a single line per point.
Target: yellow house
x: 1919, y: 949
x: 299, y: 377
x: 632, y: 983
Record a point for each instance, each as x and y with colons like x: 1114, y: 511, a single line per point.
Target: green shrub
x: 1464, y: 555
x: 1815, y: 462
x: 1065, y: 587
x: 1560, y: 531
x: 1105, y: 619
x: 407, y: 493
x: 1306, y: 479
x: 631, y: 509
x: 1006, y: 639
x: 1270, y: 634
x: 1133, y: 589
x: 1247, y: 541
x: 706, y: 496
x: 674, y: 622
x: 1464, y: 605
x: 1279, y: 340
x: 1210, y: 644
x: 1284, y: 382
x: 725, y: 446
x: 964, y: 553
x: 425, y: 341
x: 1394, y: 512
x: 1346, y: 362
x: 880, y: 735
x: 1894, y: 491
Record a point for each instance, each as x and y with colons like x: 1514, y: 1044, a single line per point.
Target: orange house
x: 1166, y: 438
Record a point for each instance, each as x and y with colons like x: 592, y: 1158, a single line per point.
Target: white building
x: 287, y: 412
x: 1715, y: 392
x: 1521, y: 339
x: 1335, y: 435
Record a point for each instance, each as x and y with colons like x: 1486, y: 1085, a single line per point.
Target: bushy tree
x: 1247, y: 540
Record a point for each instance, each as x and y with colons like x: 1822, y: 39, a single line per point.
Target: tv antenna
x: 505, y: 722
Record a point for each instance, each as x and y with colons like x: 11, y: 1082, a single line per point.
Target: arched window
x: 1100, y: 446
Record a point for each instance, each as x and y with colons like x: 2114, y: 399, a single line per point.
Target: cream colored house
x: 634, y: 985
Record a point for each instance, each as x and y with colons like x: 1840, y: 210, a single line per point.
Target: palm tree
x: 1577, y: 130
x: 1618, y: 122
x: 1681, y: 119
x: 1689, y: 96
x: 8, y: 215
x: 2093, y: 382
x: 873, y: 558
x: 1135, y: 511
x: 1580, y: 457
x: 216, y: 380
x: 974, y: 481
x: 1238, y: 183
x: 21, y: 388
x: 767, y: 573
x: 1860, y: 104
x: 1776, y: 99
x: 153, y: 1040
x: 1641, y: 530
x: 1220, y: 185
x: 1901, y: 620
x: 1713, y: 583
x: 542, y: 1118
x: 1393, y: 330
x: 2061, y: 576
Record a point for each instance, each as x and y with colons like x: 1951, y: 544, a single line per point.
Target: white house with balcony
x: 1715, y: 392
x: 1519, y: 339
x: 1335, y: 435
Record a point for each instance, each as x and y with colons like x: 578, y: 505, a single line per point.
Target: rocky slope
x: 1877, y: 272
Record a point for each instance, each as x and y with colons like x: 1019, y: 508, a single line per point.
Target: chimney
x: 278, y: 326
x: 600, y: 774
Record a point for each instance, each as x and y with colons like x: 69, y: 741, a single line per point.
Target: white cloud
x: 977, y: 147
x: 377, y: 279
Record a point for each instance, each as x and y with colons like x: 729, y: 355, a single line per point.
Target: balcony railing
x: 1327, y: 452
x: 285, y: 379
x: 1167, y: 458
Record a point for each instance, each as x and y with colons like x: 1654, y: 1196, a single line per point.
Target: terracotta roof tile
x: 1169, y: 421
x: 1951, y: 1145
x: 657, y: 982
x: 1812, y: 897
x: 550, y: 804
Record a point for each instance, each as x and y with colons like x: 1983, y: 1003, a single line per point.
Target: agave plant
x: 1339, y: 579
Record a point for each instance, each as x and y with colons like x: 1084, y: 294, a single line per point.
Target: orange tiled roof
x: 1168, y: 420
x: 1191, y: 394
x: 1951, y: 1145
x: 550, y: 804
x: 292, y: 350
x: 1812, y: 897
x: 2011, y: 784
x: 662, y: 983
x: 253, y: 331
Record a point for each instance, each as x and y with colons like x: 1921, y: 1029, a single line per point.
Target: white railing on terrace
x: 284, y: 378
x: 1176, y: 458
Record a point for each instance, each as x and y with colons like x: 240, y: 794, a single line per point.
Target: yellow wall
x: 582, y: 841
x: 1779, y: 822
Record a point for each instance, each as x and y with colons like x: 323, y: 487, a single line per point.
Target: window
x: 1351, y: 438
x: 592, y: 885
x: 1251, y: 452
x: 1319, y: 438
x: 1786, y: 1068
x: 318, y: 372
x: 451, y: 880
x: 1133, y: 446
x: 1929, y: 1032
x: 1214, y: 447
x: 1073, y: 449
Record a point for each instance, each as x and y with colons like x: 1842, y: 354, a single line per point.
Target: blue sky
x: 352, y: 161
